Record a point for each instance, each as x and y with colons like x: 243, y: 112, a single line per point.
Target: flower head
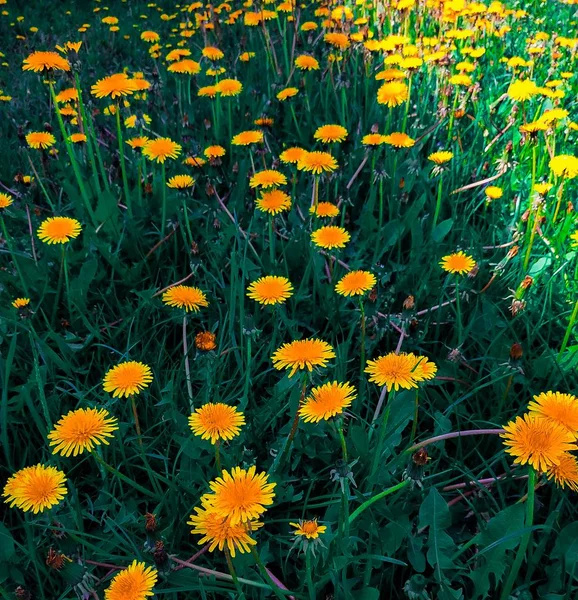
x: 45, y: 61
x: 136, y: 582
x: 392, y: 93
x: 565, y: 473
x: 247, y: 137
x: 267, y: 179
x: 324, y: 209
x: 219, y: 532
x: 113, y: 86
x: 537, y: 441
x: 327, y: 401
x: 40, y: 140
x: 302, y: 354
x: 459, y: 262
x: 330, y: 133
x: 355, y: 283
x: 138, y: 143
x: 59, y: 230
x: 399, y: 140
x: 564, y: 165
x: 441, y: 157
x: 35, y: 488
x: 187, y: 297
x: 309, y: 529
x: 557, y: 407
x: 216, y: 421
x: 292, y: 155
x: 229, y: 87
x: 317, y: 162
x: 521, y: 90
x: 160, y: 149
x: 306, y: 63
x: 240, y: 495
x: 400, y: 370
x: 373, y: 139
x: 330, y: 236
x: 127, y: 378
x: 20, y: 302
x: 81, y: 430
x: 186, y: 66
x: 287, y: 93
x: 274, y: 202
x: 205, y: 341
x: 5, y: 200
x: 212, y: 53
x: 214, y: 151
x: 493, y: 192
x: 271, y: 289
x: 181, y: 182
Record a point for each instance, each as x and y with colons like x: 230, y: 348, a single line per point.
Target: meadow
x: 289, y: 300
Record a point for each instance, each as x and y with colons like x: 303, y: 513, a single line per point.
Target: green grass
x: 421, y: 538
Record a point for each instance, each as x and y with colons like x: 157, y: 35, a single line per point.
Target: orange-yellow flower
x: 327, y: 401
x: 302, y: 354
x: 216, y: 421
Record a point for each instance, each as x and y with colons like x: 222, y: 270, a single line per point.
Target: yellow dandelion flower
x: 45, y: 61
x: 186, y: 66
x: 441, y: 157
x: 330, y: 133
x: 136, y: 582
x: 287, y: 93
x: 59, y: 230
x: 327, y: 401
x: 127, y: 378
x: 558, y: 407
x: 537, y: 441
x: 393, y: 370
x: 310, y: 529
x: 181, y: 182
x: 160, y: 149
x: 40, y: 140
x: 5, y: 200
x: 522, y: 90
x: 458, y: 262
x: 187, y: 297
x: 302, y: 354
x: 330, y: 236
x: 35, y: 488
x: 564, y: 165
x: 81, y: 430
x: 247, y: 137
x: 274, y: 202
x: 324, y: 209
x: 306, y: 63
x: 205, y: 341
x: 216, y: 421
x: 317, y: 162
x: 399, y: 140
x: 229, y: 87
x: 565, y: 473
x: 267, y: 179
x: 392, y: 93
x: 20, y: 302
x: 77, y: 138
x: 240, y: 495
x: 355, y: 283
x: 373, y: 139
x: 218, y: 532
x: 493, y: 192
x: 292, y: 155
x: 271, y: 289
x: 113, y: 86
x: 212, y: 53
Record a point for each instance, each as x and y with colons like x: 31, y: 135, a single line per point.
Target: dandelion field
x: 289, y: 300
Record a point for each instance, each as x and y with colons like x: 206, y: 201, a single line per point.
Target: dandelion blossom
x: 205, y: 341
x: 327, y: 401
x: 537, y: 441
x: 45, y: 61
x: 564, y: 165
x: 216, y: 421
x: 160, y: 149
x: 267, y: 179
x: 58, y: 230
x: 81, y: 430
x: 306, y: 63
x: 240, y: 495
x: 274, y: 202
x: 113, y: 86
x: 565, y: 473
x: 355, y: 283
x: 459, y: 263
x: 229, y: 87
x: 441, y: 157
x: 20, y: 302
x: 330, y: 133
x: 271, y: 289
x: 287, y: 93
x: 399, y: 140
x: 247, y: 137
x: 317, y: 162
x: 181, y: 182
x: 521, y: 90
x: 392, y: 93
x: 310, y: 529
x: 40, y: 140
x: 5, y: 200
x: 187, y: 297
x: 292, y: 155
x: 302, y: 354
x: 127, y: 378
x: 218, y: 532
x: 330, y: 236
x: 324, y: 209
x: 394, y: 371
x: 557, y: 407
x: 35, y: 488
x: 136, y: 582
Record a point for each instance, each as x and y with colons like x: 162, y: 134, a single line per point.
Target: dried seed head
x: 150, y: 522
x: 409, y: 303
x: 420, y: 457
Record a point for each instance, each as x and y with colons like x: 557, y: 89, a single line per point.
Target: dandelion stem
x: 559, y: 201
x: 342, y: 438
x: 309, y: 571
x: 527, y: 536
x: 66, y: 282
x: 187, y: 366
x: 382, y: 431
x: 438, y: 202
x: 454, y: 434
x: 136, y: 421
x: 164, y: 208
x: 122, y: 162
x: 218, y: 457
x: 362, y: 324
x: 233, y: 573
x: 271, y: 242
x: 568, y: 330
x: 265, y: 573
x: 375, y: 498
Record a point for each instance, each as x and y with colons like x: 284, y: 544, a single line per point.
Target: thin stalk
x: 438, y: 202
x: 568, y: 330
x: 526, y: 539
x: 532, y: 236
x: 454, y: 434
x: 218, y: 457
x: 136, y: 421
x: 122, y: 162
x: 342, y: 439
x: 559, y: 201
x: 164, y: 209
x: 458, y: 312
x: 271, y: 241
x: 233, y: 573
x: 11, y: 248
x: 266, y: 575
x: 382, y: 432
x: 66, y: 282
x: 309, y: 573
x: 362, y: 324
x: 187, y: 365
x: 375, y: 498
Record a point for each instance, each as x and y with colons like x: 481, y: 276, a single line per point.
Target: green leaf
x: 6, y: 544
x: 566, y: 548
x: 440, y: 232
